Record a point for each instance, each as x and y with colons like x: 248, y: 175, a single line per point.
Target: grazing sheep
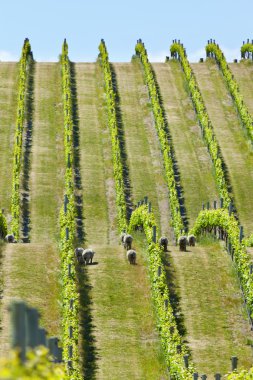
x: 182, y: 241
x: 78, y: 253
x: 131, y: 256
x: 127, y: 240
x: 191, y: 240
x: 87, y: 256
x: 122, y: 235
x: 163, y: 242
x: 10, y: 238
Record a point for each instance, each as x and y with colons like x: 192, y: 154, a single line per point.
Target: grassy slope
x: 212, y: 307
x: 8, y: 104
x: 125, y: 344
x: 235, y: 149
x: 192, y: 156
x: 30, y: 270
x: 243, y: 74
x: 209, y: 314
x: 142, y: 145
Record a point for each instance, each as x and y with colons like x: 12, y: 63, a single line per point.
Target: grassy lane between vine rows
x: 193, y: 159
x: 118, y: 316
x: 212, y: 309
x: 31, y: 271
x: 8, y: 106
x: 243, y: 74
x: 145, y: 161
x: 235, y: 149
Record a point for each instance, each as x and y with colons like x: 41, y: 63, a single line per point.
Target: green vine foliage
x: 166, y: 145
x: 24, y: 64
x: 113, y: 126
x: 37, y: 366
x: 177, y: 51
x: 70, y: 296
x: 213, y: 50
x: 246, y: 50
x: 208, y: 219
x: 166, y: 323
x: 3, y: 225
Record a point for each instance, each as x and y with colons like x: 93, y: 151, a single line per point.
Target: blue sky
x: 84, y: 22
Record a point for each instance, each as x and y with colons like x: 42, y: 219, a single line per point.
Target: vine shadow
x: 121, y: 134
x: 25, y: 195
x: 76, y: 153
x: 89, y: 352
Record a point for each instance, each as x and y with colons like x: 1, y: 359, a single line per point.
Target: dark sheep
x: 10, y: 238
x: 163, y: 242
x: 182, y: 241
x: 131, y: 256
x: 127, y: 240
x: 191, y: 240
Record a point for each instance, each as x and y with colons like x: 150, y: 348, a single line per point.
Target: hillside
x: 118, y: 331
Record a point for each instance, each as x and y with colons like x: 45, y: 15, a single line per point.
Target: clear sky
x: 84, y: 22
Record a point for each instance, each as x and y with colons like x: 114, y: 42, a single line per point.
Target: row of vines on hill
x: 170, y: 336
x: 165, y: 141
x: 113, y: 126
x: 213, y: 50
x: 172, y: 344
x: 70, y: 296
x: 178, y: 51
x: 24, y: 65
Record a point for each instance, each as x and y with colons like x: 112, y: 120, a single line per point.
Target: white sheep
x: 84, y: 256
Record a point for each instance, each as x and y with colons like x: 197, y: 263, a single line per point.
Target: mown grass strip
x: 164, y: 138
x: 178, y: 52
x: 210, y: 219
x: 173, y: 346
x: 213, y: 50
x: 24, y: 64
x: 115, y: 138
x: 70, y: 296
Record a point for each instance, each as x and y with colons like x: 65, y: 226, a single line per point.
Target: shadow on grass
x: 29, y: 108
x: 174, y: 293
x: 89, y: 351
x: 77, y: 172
x: 127, y: 185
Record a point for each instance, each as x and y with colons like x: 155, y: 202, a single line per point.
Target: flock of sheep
x: 85, y: 256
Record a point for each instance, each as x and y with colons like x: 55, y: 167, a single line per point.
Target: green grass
x: 118, y: 318
x: 235, y: 149
x: 8, y: 105
x: 211, y: 305
x: 193, y: 159
x: 47, y: 156
x: 142, y: 146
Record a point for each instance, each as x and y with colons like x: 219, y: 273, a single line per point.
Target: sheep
x: 131, y: 256
x: 182, y: 241
x: 84, y: 256
x: 87, y: 255
x: 191, y: 240
x: 127, y: 240
x: 122, y: 235
x: 10, y: 238
x: 163, y: 242
x: 78, y: 253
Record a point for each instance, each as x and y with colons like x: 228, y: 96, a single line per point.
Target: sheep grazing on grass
x: 84, y: 256
x: 10, y: 238
x: 163, y: 242
x: 191, y: 240
x: 182, y: 241
x: 131, y: 256
x: 127, y: 240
